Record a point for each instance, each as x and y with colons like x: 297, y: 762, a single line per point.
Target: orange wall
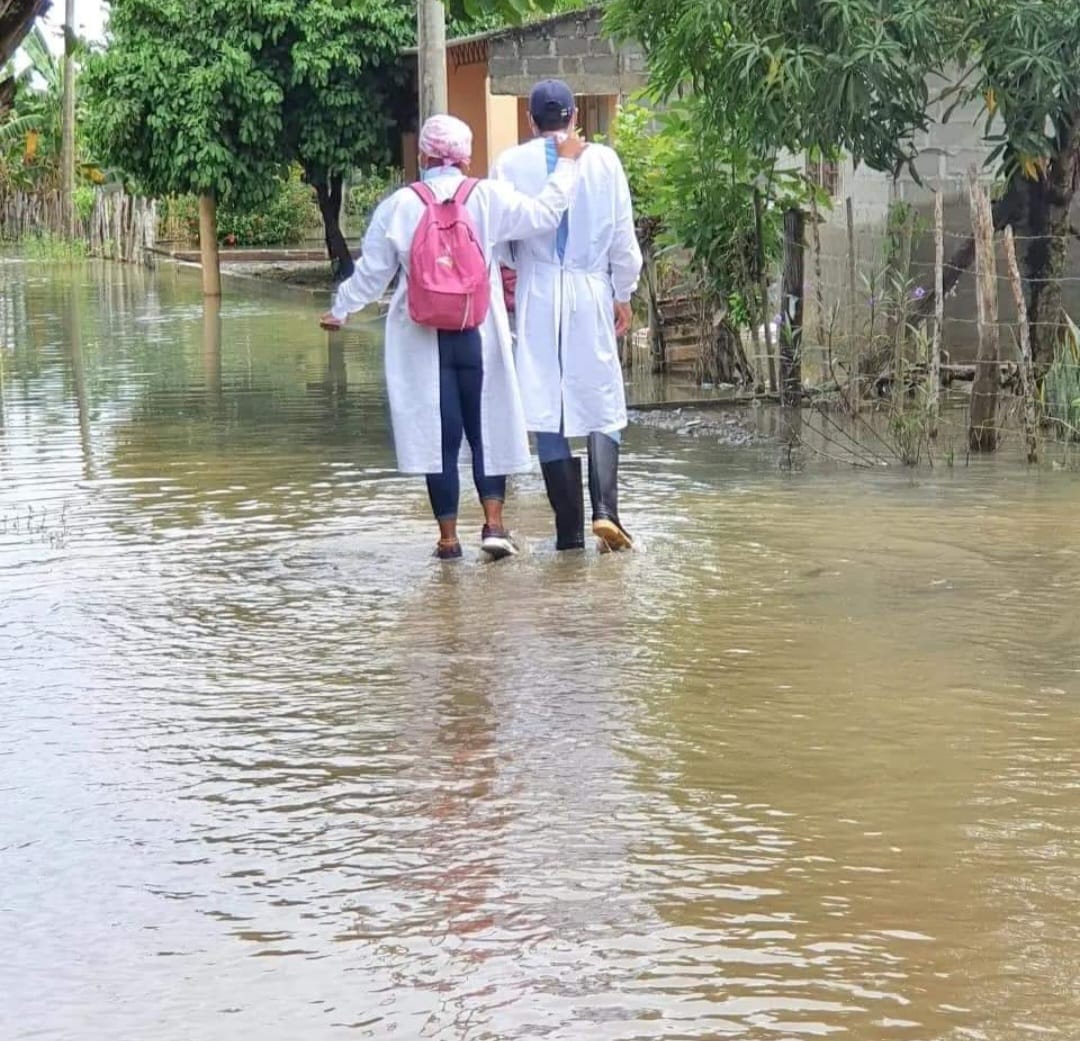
x: 500, y: 121
x: 502, y: 124
x: 467, y: 99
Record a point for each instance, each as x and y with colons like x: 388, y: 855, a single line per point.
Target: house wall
x: 503, y: 124
x: 467, y: 96
x: 573, y: 48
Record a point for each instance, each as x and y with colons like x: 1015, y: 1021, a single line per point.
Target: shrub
x: 281, y: 222
x: 1061, y: 388
x: 373, y: 186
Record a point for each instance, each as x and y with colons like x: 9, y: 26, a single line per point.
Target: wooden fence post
x: 763, y: 288
x: 1027, y: 377
x: 934, y: 402
x: 791, y: 335
x: 982, y: 422
x: 853, y: 309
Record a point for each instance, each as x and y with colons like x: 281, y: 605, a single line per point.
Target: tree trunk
x: 657, y: 350
x: 330, y: 191
x: 1047, y: 254
x: 1010, y: 209
x: 208, y: 245
x: 791, y: 333
x: 67, y: 152
x: 723, y: 358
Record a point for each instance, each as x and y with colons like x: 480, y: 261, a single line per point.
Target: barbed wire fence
x: 909, y: 354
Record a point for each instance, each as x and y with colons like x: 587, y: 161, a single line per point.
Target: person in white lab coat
x: 443, y: 384
x: 572, y: 303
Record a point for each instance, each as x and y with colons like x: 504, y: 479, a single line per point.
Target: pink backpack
x: 449, y: 285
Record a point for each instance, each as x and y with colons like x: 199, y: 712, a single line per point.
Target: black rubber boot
x: 563, y: 480
x: 604, y: 492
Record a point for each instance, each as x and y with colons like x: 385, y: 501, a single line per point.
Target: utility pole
x: 431, y: 57
x: 68, y: 142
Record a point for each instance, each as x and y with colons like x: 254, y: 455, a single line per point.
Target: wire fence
x: 118, y: 226
x: 928, y: 328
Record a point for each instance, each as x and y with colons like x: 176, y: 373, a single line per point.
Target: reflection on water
x: 806, y: 766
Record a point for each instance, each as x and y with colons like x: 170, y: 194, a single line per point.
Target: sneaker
x: 497, y: 543
x: 448, y: 551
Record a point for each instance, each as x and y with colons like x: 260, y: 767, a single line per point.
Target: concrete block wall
x: 571, y: 47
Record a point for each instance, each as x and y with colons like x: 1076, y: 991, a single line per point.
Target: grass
x: 47, y: 246
x: 1061, y: 387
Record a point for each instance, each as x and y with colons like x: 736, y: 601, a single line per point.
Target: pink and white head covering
x: 447, y: 139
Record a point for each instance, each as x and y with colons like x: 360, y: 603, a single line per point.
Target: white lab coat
x: 501, y: 214
x: 567, y: 355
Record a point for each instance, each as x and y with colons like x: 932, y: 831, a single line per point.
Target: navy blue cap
x: 551, y: 98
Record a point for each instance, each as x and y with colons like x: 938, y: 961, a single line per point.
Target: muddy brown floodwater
x: 806, y: 766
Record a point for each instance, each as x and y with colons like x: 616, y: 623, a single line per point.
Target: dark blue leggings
x: 461, y: 383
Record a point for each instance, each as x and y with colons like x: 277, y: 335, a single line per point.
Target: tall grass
x: 48, y: 246
x: 1061, y: 387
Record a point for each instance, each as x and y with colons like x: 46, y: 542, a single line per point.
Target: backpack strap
x: 465, y: 190
x: 424, y: 193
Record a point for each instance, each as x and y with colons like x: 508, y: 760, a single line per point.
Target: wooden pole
x: 982, y: 422
x: 853, y: 309
x: 934, y: 401
x: 1027, y: 377
x: 67, y: 150
x: 208, y: 245
x: 763, y: 288
x: 901, y: 330
x: 791, y: 334
x: 431, y: 57
x: 819, y: 289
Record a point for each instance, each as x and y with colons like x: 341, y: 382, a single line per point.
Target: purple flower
x: 918, y: 293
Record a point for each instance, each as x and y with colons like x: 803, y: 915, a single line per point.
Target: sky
x: 89, y: 21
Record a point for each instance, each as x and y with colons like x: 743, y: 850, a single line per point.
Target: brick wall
x: 570, y: 47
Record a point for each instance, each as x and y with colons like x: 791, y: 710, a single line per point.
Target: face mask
x: 432, y: 172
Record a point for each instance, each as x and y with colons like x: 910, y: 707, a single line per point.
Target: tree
x: 31, y: 131
x: 1018, y: 57
x: 337, y: 64
x: 16, y: 19
x: 813, y: 76
x: 851, y: 76
x: 772, y: 79
x: 183, y: 100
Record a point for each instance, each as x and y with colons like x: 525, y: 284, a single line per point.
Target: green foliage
x: 634, y: 136
x: 695, y: 185
x: 184, y: 100
x: 53, y: 248
x: 474, y: 16
x: 85, y: 197
x: 341, y: 80
x: 30, y: 138
x: 1023, y: 69
x: 282, y: 221
x: 374, y: 186
x: 1061, y: 386
x: 817, y: 75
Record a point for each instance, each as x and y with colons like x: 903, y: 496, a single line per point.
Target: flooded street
x: 807, y: 766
